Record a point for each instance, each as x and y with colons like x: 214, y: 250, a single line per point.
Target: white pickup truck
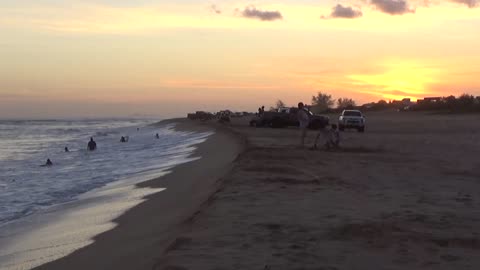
x: 352, y: 119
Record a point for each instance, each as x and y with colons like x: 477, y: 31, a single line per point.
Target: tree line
x: 324, y: 103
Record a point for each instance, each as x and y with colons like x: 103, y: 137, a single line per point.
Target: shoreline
x: 149, y: 227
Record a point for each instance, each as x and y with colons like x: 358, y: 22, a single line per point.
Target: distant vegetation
x: 345, y: 103
x: 279, y: 104
x: 323, y: 102
x: 463, y: 103
x: 450, y: 104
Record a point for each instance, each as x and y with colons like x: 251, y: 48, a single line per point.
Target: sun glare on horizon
x: 398, y: 79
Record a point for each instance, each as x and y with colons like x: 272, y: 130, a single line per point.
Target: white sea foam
x: 37, y: 203
x: 26, y: 187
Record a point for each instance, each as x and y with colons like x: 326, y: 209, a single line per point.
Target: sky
x: 104, y: 58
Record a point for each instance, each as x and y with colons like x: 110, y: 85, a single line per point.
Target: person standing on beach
x: 92, y: 145
x: 304, y: 121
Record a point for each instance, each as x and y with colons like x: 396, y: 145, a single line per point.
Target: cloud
x: 340, y: 11
x: 469, y: 3
x: 254, y: 13
x: 394, y: 7
x: 213, y: 8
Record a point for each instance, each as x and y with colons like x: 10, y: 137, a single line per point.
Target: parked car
x: 200, y: 115
x: 286, y: 117
x: 353, y: 119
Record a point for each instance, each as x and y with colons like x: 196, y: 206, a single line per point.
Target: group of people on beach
x: 92, y: 146
x: 261, y: 111
x: 330, y: 134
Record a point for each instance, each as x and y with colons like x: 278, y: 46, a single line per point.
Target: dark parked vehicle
x: 199, y: 115
x: 286, y: 117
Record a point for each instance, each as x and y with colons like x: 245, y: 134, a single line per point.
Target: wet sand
x: 404, y: 195
x: 145, y: 231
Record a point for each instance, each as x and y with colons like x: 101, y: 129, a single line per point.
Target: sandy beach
x: 403, y: 195
x: 145, y: 231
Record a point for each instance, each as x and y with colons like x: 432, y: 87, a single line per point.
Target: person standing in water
x: 66, y: 149
x: 157, y: 136
x: 92, y: 145
x: 49, y: 163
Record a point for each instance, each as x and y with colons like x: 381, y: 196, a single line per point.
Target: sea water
x: 27, y: 187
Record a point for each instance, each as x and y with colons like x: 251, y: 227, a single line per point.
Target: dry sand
x: 404, y: 195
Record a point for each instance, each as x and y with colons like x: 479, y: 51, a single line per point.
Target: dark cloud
x: 393, y: 7
x: 213, y: 8
x: 469, y: 3
x: 254, y: 13
x: 340, y: 11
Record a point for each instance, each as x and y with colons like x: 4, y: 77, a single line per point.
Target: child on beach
x: 332, y: 137
x: 333, y: 140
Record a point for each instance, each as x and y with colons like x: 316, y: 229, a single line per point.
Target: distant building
x: 432, y: 99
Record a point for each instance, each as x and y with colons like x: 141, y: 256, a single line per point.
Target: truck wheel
x: 361, y: 129
x: 315, y: 125
x: 277, y: 123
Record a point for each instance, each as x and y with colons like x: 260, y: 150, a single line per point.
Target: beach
x: 403, y: 195
x: 143, y: 231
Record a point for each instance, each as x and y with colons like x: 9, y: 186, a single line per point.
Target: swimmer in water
x: 92, y: 145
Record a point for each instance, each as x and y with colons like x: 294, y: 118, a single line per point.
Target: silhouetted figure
x: 157, y: 136
x: 333, y: 140
x: 304, y: 121
x: 138, y: 129
x: 66, y: 149
x: 92, y: 145
x: 49, y: 163
x: 123, y: 139
x: 323, y: 132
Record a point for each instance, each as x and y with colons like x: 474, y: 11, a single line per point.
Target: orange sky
x: 122, y: 58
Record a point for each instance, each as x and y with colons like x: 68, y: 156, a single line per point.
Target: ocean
x: 27, y: 187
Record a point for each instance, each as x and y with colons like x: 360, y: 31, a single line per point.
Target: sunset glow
x: 110, y: 58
